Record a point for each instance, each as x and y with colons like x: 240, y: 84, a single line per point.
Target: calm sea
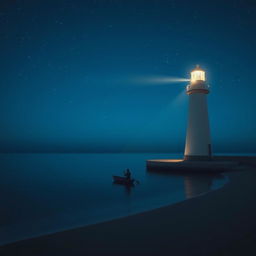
x: 45, y: 193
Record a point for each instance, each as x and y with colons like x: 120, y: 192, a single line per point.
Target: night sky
x: 75, y: 74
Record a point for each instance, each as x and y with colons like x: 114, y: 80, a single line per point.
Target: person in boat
x: 127, y: 174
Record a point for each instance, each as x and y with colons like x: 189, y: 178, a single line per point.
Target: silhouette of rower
x: 127, y: 174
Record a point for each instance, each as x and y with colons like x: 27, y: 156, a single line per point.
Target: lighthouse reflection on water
x: 197, y: 185
x: 193, y: 184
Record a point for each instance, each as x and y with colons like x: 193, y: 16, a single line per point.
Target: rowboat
x: 123, y: 180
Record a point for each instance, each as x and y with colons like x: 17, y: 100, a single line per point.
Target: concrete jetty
x: 217, y: 164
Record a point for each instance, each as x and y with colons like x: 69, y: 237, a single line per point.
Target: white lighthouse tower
x: 198, y: 142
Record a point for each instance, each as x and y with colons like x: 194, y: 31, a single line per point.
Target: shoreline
x: 221, y: 221
x: 117, y: 217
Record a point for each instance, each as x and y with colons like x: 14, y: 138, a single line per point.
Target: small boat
x: 123, y: 180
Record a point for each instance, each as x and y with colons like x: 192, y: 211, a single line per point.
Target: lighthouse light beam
x: 155, y: 80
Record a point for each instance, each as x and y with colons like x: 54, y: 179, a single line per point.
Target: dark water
x: 44, y: 193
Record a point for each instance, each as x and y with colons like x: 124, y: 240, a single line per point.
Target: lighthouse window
x: 197, y: 75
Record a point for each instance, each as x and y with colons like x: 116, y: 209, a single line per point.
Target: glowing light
x: 197, y: 75
x: 154, y: 80
x: 170, y: 160
x: 176, y: 160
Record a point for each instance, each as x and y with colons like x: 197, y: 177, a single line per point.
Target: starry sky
x: 80, y: 76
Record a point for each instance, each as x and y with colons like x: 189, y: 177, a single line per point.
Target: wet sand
x: 222, y: 222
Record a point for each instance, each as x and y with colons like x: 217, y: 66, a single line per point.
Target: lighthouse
x: 198, y: 142
x: 198, y: 152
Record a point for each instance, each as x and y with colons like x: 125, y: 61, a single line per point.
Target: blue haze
x: 68, y: 74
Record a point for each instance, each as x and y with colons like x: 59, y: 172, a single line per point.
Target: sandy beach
x: 221, y: 222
